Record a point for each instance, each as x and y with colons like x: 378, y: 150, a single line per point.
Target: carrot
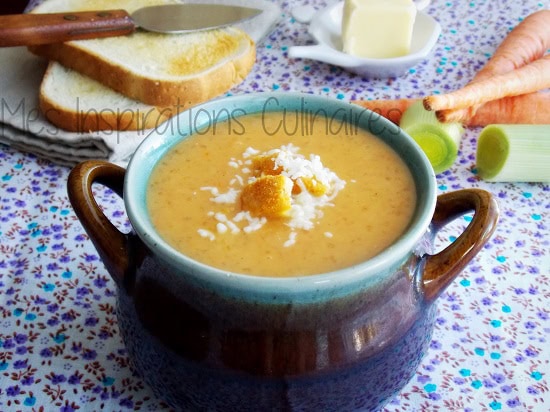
x: 527, y: 42
x: 503, y: 110
x: 391, y: 109
x: 527, y: 79
x: 529, y: 108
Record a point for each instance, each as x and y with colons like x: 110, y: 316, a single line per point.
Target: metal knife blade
x: 33, y: 29
x: 181, y: 18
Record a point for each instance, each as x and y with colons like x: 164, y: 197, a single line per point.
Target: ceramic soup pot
x: 206, y: 339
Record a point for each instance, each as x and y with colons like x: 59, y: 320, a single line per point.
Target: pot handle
x: 111, y: 244
x: 440, y: 269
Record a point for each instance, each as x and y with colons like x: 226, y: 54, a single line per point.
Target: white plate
x: 326, y: 29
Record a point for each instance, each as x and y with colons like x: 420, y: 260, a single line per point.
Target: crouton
x: 268, y: 196
x: 265, y: 165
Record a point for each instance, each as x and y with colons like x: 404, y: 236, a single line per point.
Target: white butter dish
x: 326, y: 29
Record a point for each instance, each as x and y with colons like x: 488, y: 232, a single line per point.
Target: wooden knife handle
x: 33, y: 29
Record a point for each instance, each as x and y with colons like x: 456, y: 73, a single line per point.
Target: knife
x: 32, y: 29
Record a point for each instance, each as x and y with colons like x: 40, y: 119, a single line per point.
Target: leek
x: 514, y: 153
x: 439, y: 141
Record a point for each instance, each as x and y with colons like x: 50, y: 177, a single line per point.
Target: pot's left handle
x: 111, y: 244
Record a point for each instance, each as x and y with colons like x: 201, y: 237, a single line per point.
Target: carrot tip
x: 427, y: 104
x: 441, y: 116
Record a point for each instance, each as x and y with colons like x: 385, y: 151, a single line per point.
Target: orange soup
x: 251, y: 197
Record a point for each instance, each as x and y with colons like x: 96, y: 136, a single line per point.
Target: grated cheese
x: 234, y: 228
x: 291, y: 239
x: 207, y: 234
x: 315, y: 186
x: 229, y: 197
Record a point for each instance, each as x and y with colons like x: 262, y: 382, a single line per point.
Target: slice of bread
x: 156, y: 69
x: 77, y: 103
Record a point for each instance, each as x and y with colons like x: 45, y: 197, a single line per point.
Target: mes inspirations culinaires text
x: 296, y: 120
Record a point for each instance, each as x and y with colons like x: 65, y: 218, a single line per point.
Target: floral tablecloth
x: 60, y: 348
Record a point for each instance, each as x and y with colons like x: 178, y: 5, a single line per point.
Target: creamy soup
x: 251, y: 197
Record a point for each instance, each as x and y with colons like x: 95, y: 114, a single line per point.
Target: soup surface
x: 252, y: 197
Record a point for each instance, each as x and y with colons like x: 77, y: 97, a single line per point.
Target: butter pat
x: 378, y: 29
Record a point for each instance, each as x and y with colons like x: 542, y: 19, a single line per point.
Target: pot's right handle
x: 111, y: 244
x: 441, y: 269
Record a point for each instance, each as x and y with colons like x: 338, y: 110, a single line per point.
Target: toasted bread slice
x: 156, y: 69
x: 76, y: 103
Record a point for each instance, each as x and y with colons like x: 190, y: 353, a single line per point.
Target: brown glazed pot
x: 206, y: 339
